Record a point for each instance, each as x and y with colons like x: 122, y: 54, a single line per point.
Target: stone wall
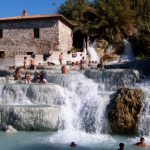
x: 18, y: 37
x: 65, y: 37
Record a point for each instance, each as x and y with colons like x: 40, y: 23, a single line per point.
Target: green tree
x: 110, y: 19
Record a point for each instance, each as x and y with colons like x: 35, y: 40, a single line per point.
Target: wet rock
x: 124, y: 110
x: 8, y: 128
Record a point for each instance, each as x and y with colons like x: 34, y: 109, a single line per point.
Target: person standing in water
x: 61, y: 57
x: 25, y: 63
x: 82, y: 63
x: 101, y: 64
x: 32, y: 62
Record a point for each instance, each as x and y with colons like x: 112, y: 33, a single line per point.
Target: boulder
x: 8, y: 128
x: 124, y: 110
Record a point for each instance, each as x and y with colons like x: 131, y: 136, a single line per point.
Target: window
x: 2, y: 54
x: 36, y: 33
x: 1, y: 33
x: 29, y: 53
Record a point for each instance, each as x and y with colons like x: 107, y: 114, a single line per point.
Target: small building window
x: 1, y: 33
x: 2, y: 54
x: 36, y: 33
x: 29, y: 53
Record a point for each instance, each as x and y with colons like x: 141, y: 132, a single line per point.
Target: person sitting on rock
x: 25, y: 63
x: 101, y: 64
x: 121, y: 146
x: 17, y: 75
x: 27, y: 78
x: 37, y: 77
x: 142, y: 143
x: 73, y: 65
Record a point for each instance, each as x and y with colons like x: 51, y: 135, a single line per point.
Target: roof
x: 35, y: 17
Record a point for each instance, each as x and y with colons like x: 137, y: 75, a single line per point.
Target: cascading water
x: 144, y: 128
x: 128, y: 52
x: 84, y: 109
x: 92, y: 52
x: 81, y: 105
x: 84, y: 106
x: 34, y: 94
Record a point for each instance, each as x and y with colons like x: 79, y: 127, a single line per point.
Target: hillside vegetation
x: 111, y: 20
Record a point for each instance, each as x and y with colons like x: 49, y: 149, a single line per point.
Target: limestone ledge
x: 114, y: 79
x: 30, y: 118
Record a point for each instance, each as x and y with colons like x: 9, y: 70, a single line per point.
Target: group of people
x: 82, y: 64
x: 64, y: 69
x: 38, y: 77
x: 140, y: 144
x: 74, y: 65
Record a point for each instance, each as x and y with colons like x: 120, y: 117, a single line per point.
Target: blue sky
x: 10, y: 8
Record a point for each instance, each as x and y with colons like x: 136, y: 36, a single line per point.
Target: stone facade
x: 64, y: 37
x: 18, y: 35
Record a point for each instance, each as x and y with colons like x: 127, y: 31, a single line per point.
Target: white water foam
x: 92, y: 52
x: 82, y: 117
x: 144, y: 128
x: 128, y: 52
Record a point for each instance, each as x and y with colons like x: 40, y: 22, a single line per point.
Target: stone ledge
x: 32, y: 118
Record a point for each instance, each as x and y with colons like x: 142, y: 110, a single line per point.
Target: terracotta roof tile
x: 33, y: 17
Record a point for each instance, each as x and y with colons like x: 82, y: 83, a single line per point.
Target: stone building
x: 25, y: 34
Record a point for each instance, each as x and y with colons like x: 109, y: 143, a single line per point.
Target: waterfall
x: 92, y: 51
x: 113, y: 79
x: 82, y: 98
x: 84, y: 106
x: 144, y: 128
x: 31, y: 94
x: 128, y: 52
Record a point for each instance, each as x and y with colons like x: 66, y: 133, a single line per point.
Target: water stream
x: 128, y: 52
x: 92, y: 52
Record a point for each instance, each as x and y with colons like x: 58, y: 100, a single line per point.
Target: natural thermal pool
x: 61, y: 141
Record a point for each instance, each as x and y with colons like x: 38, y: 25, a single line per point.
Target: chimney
x: 24, y: 13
